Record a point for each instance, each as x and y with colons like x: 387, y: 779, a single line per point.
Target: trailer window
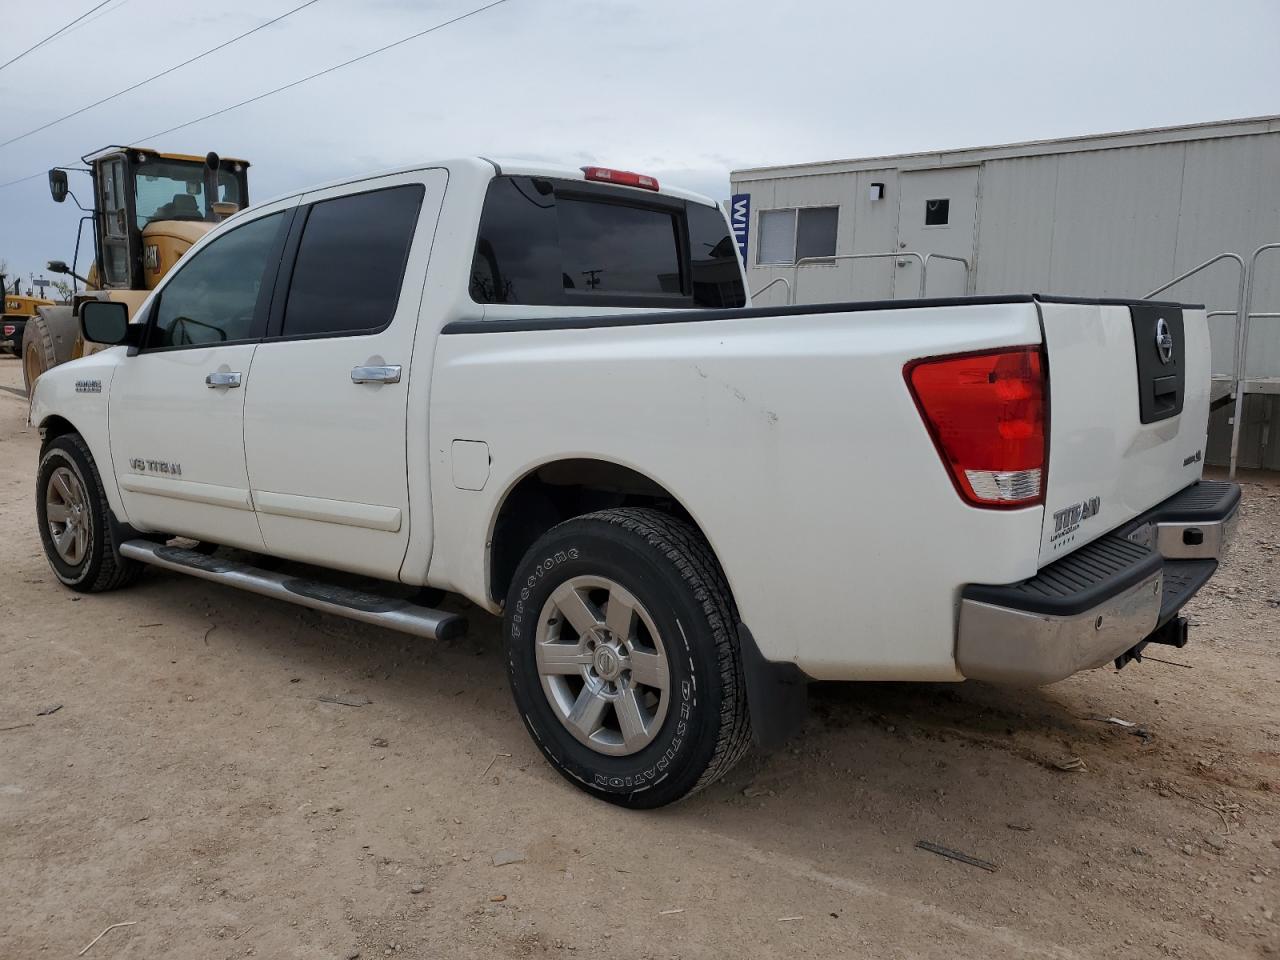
x: 777, y: 236
x: 794, y: 234
x: 937, y: 213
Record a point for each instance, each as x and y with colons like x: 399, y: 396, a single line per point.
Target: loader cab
x: 150, y: 207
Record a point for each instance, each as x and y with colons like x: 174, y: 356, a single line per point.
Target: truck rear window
x: 560, y: 243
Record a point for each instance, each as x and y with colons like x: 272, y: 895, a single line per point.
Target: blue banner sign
x: 740, y: 221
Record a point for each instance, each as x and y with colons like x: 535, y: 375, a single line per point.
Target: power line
x: 327, y: 70
x: 294, y: 83
x: 162, y: 73
x: 62, y: 29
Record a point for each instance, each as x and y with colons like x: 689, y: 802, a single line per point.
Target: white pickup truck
x: 544, y: 389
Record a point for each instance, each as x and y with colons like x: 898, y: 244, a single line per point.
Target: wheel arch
x: 55, y: 425
x: 558, y: 489
x: 561, y: 488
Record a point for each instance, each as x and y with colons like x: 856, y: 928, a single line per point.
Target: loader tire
x: 49, y: 339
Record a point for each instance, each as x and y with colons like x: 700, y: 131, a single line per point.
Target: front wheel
x: 623, y: 657
x: 75, y: 521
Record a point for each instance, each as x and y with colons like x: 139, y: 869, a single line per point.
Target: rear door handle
x: 221, y: 379
x: 385, y: 374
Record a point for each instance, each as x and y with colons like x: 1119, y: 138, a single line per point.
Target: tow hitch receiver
x: 1172, y: 634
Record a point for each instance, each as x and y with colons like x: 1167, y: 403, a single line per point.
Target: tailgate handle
x: 1164, y: 390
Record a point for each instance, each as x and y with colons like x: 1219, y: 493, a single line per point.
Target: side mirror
x: 105, y: 321
x: 58, y: 185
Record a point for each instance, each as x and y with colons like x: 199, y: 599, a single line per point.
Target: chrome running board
x: 383, y: 611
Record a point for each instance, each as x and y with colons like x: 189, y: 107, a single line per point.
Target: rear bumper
x: 1096, y: 604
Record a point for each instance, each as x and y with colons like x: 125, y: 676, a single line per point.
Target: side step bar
x: 390, y: 612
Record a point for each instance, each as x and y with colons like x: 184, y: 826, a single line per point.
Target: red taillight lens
x: 9, y: 328
x: 624, y: 177
x: 987, y: 415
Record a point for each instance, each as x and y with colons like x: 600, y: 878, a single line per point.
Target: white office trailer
x: 1118, y: 214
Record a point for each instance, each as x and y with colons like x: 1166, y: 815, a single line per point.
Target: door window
x: 351, y: 262
x: 115, y: 247
x: 215, y: 296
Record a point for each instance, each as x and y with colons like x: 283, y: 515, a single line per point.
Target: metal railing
x: 776, y: 280
x: 954, y: 259
x: 1244, y: 315
x: 893, y: 255
x: 1247, y: 314
x: 1237, y: 349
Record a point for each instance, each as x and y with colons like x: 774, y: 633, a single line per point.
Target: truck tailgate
x: 1128, y: 412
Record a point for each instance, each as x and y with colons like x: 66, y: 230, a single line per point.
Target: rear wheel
x: 75, y: 521
x: 623, y: 657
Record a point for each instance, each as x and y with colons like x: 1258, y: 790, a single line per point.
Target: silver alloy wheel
x: 603, y: 665
x: 66, y: 510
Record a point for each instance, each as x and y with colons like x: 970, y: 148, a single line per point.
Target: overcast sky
x: 686, y: 90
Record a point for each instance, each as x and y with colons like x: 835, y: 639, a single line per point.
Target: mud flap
x: 777, y: 694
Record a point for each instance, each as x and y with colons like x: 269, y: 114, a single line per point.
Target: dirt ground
x: 193, y: 784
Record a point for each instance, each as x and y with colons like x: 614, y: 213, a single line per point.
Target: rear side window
x: 559, y: 243
x: 350, y: 262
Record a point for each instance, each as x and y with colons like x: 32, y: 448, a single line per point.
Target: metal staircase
x: 1231, y: 388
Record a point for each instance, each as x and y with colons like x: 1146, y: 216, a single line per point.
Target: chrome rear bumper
x: 1102, y: 601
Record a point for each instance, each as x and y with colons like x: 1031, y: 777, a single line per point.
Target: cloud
x: 683, y: 90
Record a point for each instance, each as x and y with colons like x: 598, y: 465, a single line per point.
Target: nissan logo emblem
x: 1164, y: 341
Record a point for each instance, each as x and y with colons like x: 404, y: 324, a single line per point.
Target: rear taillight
x: 623, y: 177
x: 987, y: 415
x: 9, y: 329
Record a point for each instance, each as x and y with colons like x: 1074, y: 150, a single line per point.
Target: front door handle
x: 383, y: 374
x: 222, y: 379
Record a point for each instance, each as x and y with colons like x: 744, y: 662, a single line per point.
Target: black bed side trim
x: 649, y: 318
x: 1117, y: 302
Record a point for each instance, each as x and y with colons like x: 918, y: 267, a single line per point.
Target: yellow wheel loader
x: 15, y: 311
x: 148, y: 209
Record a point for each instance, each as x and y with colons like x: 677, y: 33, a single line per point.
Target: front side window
x: 544, y: 242
x: 213, y: 298
x: 351, y: 262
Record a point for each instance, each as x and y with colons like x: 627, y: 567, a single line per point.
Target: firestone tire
x: 649, y: 745
x: 76, y: 528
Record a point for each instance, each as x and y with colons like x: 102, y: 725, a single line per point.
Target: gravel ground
x: 192, y: 783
